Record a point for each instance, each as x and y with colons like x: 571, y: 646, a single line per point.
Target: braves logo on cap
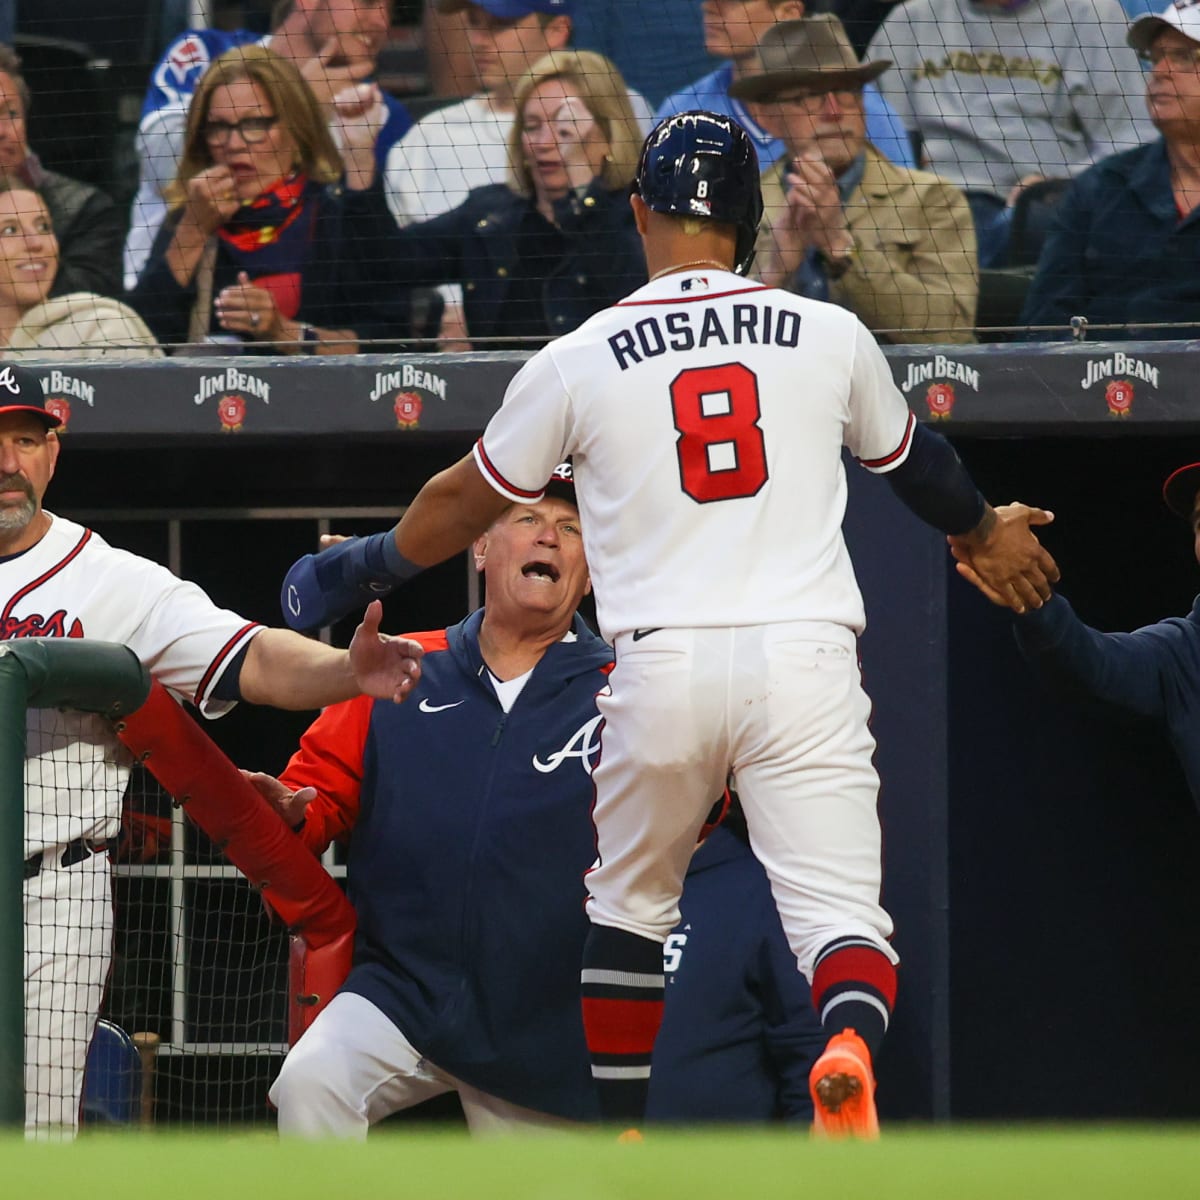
x: 9, y: 381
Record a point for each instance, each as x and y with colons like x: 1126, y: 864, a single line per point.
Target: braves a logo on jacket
x: 36, y: 625
x: 583, y: 744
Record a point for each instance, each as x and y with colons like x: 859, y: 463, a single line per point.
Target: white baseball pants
x: 68, y: 949
x: 782, y: 706
x: 353, y: 1067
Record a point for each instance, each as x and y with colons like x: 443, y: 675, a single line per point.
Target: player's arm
x: 527, y: 438
x: 318, y: 792
x: 926, y: 473
x: 283, y: 669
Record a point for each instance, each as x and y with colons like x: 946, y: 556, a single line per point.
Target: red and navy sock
x: 854, y: 987
x: 622, y: 986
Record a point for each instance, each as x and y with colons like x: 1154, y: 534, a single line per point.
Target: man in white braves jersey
x: 58, y: 579
x: 706, y: 416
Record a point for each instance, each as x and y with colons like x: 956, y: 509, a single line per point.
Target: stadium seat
x: 112, y: 1079
x: 1031, y: 217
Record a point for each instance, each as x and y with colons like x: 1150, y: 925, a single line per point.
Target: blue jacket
x: 1118, y: 252
x: 739, y: 1034
x: 471, y: 837
x: 1154, y: 671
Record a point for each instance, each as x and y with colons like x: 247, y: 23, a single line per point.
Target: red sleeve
x: 330, y: 759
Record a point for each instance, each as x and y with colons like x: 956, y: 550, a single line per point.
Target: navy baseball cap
x: 21, y: 391
x: 510, y: 10
x: 562, y: 482
x: 1180, y: 488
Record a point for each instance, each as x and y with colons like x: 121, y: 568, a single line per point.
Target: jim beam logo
x: 60, y: 389
x: 400, y: 387
x: 1120, y: 370
x: 941, y: 374
x: 230, y: 388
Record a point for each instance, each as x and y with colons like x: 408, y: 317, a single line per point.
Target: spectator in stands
x: 1124, y: 243
x: 454, y: 150
x: 334, y: 44
x: 861, y: 18
x: 87, y: 223
x: 894, y: 245
x: 260, y: 242
x: 657, y: 45
x: 732, y: 31
x: 75, y: 325
x: 1002, y: 92
x: 541, y: 253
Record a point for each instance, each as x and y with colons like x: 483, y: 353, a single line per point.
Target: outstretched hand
x: 385, y: 667
x: 1008, y: 564
x: 291, y: 806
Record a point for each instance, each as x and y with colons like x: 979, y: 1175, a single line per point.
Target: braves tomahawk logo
x: 583, y: 744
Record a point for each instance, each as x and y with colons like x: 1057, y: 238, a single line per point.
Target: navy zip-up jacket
x: 740, y: 1033
x: 467, y: 859
x: 1153, y: 671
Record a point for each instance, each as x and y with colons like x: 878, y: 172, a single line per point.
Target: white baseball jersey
x: 73, y: 584
x: 705, y: 415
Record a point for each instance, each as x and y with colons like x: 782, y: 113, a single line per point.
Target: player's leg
x: 68, y: 950
x: 487, y: 1114
x: 663, y: 760
x: 809, y: 788
x: 351, y: 1068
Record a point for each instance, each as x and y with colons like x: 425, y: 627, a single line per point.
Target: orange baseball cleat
x: 842, y: 1085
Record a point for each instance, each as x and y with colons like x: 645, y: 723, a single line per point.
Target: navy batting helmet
x: 703, y: 164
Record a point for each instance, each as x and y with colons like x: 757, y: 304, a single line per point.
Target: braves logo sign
x: 583, y: 744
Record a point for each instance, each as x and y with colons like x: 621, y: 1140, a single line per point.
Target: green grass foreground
x: 1091, y: 1163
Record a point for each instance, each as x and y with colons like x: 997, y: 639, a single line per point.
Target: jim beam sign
x: 61, y: 388
x: 230, y: 389
x: 403, y: 387
x: 941, y: 374
x: 1120, y: 370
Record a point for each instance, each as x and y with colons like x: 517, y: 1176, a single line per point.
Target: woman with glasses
x: 1123, y: 249
x: 76, y: 325
x: 258, y: 247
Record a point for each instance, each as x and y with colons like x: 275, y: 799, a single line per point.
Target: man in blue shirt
x: 732, y: 29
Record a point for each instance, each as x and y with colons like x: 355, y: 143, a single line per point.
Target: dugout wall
x: 1040, y: 854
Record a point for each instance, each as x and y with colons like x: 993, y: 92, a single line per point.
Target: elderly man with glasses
x: 1124, y: 247
x: 894, y: 245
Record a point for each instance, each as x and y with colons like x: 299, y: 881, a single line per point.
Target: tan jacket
x: 81, y: 326
x: 914, y: 267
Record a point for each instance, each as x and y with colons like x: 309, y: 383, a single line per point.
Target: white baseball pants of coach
x: 353, y: 1067
x: 783, y: 706
x: 68, y: 949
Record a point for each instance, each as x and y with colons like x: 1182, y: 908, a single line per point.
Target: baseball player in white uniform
x: 707, y: 415
x: 58, y: 579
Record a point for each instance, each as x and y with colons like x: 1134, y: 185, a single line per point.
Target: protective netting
x: 403, y: 175
x: 196, y: 963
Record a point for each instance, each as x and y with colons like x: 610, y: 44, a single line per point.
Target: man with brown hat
x: 894, y: 245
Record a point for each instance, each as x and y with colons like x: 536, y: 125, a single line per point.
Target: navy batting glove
x: 322, y: 588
